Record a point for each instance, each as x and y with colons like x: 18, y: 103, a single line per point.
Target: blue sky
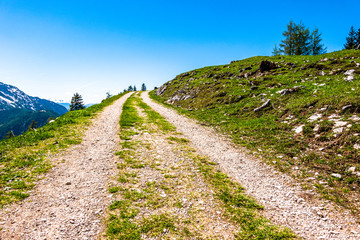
x: 53, y: 49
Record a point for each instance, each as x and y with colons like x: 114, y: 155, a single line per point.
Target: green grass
x: 223, y: 97
x: 239, y: 207
x: 24, y: 157
x: 129, y: 117
x: 124, y: 221
x: 155, y: 118
x: 178, y: 140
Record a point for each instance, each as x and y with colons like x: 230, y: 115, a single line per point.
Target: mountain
x: 18, y: 110
x: 299, y: 113
x: 67, y: 105
x: 13, y: 98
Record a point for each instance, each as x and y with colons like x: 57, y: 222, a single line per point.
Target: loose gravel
x: 173, y: 187
x: 284, y: 201
x: 71, y: 200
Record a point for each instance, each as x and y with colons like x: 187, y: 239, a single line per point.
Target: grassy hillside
x: 300, y: 113
x: 24, y: 157
x: 18, y: 120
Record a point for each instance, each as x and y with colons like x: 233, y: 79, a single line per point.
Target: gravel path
x: 71, y: 201
x: 173, y: 187
x: 285, y: 202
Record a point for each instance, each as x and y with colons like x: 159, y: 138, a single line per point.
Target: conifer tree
x: 301, y: 40
x: 316, y: 47
x: 32, y: 126
x: 287, y: 45
x: 76, y: 102
x: 135, y: 89
x: 10, y: 134
x: 108, y: 95
x: 276, y: 51
x: 130, y: 88
x: 351, y: 39
x: 143, y: 87
x: 357, y: 44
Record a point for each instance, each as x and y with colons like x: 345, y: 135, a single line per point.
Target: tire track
x: 281, y: 196
x: 71, y: 201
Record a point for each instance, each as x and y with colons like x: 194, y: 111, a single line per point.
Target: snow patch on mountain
x: 13, y: 98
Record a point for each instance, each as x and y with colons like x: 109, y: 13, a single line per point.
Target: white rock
x: 356, y: 146
x: 351, y: 169
x: 315, y: 117
x: 349, y: 78
x: 338, y: 130
x: 340, y: 123
x: 299, y: 129
x: 355, y: 118
x: 349, y: 72
x: 336, y: 175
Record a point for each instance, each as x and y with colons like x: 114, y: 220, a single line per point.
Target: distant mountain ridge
x: 13, y: 98
x: 18, y: 110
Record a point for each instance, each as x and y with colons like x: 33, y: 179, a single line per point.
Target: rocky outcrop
x: 267, y: 66
x: 290, y: 90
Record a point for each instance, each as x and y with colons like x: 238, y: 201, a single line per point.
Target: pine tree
x: 32, y: 126
x: 301, y: 40
x: 287, y: 45
x: 351, y: 39
x: 135, y: 89
x: 143, y: 87
x: 130, y: 88
x: 108, y: 95
x: 10, y: 134
x: 316, y: 47
x: 76, y: 102
x: 276, y: 51
x: 357, y: 45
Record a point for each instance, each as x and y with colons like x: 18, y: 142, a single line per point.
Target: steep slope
x: 19, y: 120
x: 300, y: 113
x: 13, y: 98
x: 18, y: 110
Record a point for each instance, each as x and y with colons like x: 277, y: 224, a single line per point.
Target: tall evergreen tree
x: 276, y: 51
x: 287, y: 45
x: 76, y: 102
x: 357, y: 44
x: 301, y: 40
x: 351, y: 39
x: 143, y: 87
x: 130, y: 88
x: 135, y: 89
x: 316, y: 48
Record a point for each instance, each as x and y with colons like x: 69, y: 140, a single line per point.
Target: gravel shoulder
x: 71, y: 200
x: 284, y: 201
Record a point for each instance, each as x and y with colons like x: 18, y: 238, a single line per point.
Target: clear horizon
x: 52, y: 49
